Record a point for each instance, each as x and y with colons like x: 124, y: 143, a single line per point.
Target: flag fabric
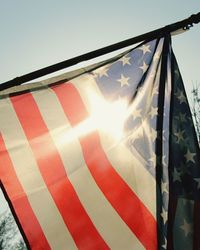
x: 105, y: 157
x: 184, y: 169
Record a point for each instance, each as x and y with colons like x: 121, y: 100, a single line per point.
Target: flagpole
x: 184, y: 24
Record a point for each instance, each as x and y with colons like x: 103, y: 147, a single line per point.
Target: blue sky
x: 35, y: 34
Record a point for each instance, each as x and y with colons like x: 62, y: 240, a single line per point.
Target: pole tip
x: 195, y: 18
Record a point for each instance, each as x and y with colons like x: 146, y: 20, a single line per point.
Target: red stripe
x: 19, y: 201
x: 122, y: 198
x: 51, y: 167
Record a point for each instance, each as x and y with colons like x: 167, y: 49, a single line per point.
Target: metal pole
x: 184, y: 24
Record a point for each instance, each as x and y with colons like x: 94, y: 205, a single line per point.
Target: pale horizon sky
x: 36, y: 34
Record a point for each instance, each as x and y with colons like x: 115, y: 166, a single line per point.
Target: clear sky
x: 36, y: 34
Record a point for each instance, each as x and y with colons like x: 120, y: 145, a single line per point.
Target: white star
x: 164, y: 162
x: 179, y: 135
x: 156, y: 56
x: 165, y: 244
x: 144, y: 67
x: 145, y: 49
x: 186, y: 227
x: 155, y: 91
x: 182, y: 117
x: 153, y: 134
x: 165, y: 136
x: 153, y: 73
x: 189, y: 156
x: 123, y: 80
x: 181, y: 97
x: 136, y: 113
x: 125, y: 60
x: 198, y: 181
x: 176, y: 175
x: 153, y: 112
x: 164, y: 215
x: 164, y: 187
x: 101, y: 71
x: 134, y: 136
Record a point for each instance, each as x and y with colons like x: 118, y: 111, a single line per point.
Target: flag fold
x: 104, y: 157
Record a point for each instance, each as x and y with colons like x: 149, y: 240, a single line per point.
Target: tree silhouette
x: 10, y: 237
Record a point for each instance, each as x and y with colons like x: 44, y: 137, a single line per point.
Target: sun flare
x: 108, y: 117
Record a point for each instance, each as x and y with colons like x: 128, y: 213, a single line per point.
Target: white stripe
x: 108, y: 223
x: 127, y: 166
x: 31, y: 180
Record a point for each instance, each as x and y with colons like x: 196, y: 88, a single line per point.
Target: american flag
x: 105, y: 160
x: 184, y: 169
